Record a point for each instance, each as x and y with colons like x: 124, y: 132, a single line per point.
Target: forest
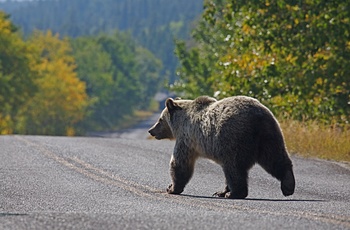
x: 154, y: 24
x: 66, y: 86
x: 67, y: 67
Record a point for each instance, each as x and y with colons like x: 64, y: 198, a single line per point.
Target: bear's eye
x: 160, y: 119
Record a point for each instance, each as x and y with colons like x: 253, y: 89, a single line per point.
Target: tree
x: 291, y: 55
x: 120, y: 76
x: 60, y: 102
x: 149, y: 71
x: 94, y: 67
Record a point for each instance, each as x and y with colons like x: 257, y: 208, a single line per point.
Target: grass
x: 310, y: 139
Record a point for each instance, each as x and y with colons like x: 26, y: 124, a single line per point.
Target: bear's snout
x: 157, y: 131
x: 151, y: 132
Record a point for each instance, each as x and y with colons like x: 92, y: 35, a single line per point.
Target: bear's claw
x: 219, y: 194
x: 171, y: 190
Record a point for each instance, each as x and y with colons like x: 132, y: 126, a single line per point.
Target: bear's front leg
x: 181, y: 171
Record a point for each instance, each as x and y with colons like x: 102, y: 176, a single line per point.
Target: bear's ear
x: 171, y: 105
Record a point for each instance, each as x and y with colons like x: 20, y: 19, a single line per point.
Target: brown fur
x: 235, y: 132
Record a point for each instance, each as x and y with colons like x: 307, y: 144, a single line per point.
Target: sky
x: 16, y: 0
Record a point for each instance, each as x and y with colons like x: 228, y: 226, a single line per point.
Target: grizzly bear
x: 235, y: 132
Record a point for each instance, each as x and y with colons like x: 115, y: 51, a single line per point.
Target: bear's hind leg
x: 281, y: 168
x: 288, y: 183
x: 273, y: 156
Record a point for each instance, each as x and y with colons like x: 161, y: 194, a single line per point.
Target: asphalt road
x: 119, y: 183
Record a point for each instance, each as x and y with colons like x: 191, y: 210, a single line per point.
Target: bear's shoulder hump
x: 204, y: 100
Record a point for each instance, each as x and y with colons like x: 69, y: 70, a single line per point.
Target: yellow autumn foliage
x: 61, y: 99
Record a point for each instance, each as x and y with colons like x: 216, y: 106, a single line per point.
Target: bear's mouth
x: 155, y: 136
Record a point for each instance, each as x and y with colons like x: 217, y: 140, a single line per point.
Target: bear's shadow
x: 253, y: 199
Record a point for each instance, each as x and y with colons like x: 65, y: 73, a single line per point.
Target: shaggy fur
x: 235, y: 132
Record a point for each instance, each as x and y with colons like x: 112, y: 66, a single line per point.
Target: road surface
x: 119, y: 183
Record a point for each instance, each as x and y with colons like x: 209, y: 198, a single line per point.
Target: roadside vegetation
x: 312, y: 139
x: 293, y: 56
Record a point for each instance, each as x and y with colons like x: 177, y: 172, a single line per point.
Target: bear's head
x: 177, y: 115
x: 162, y: 129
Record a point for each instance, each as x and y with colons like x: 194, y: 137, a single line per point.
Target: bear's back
x: 236, y: 105
x: 210, y: 115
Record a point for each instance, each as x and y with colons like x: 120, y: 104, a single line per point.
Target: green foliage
x: 149, y: 71
x: 120, y: 76
x: 292, y: 55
